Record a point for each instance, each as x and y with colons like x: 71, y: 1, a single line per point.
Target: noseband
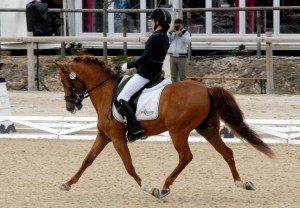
x: 75, y: 97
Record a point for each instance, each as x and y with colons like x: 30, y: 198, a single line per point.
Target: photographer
x: 179, y: 39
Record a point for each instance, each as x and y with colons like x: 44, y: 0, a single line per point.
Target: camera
x: 176, y: 27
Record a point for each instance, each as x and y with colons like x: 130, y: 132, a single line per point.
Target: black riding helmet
x: 163, y: 16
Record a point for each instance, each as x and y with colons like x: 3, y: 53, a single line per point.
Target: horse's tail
x: 229, y: 111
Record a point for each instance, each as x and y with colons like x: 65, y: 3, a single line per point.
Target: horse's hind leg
x: 99, y: 144
x: 210, y: 131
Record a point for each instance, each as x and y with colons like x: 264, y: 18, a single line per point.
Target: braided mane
x: 92, y: 59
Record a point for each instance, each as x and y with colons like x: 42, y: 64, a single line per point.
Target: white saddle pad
x: 147, y: 105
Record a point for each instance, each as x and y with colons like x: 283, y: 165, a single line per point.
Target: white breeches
x: 133, y: 85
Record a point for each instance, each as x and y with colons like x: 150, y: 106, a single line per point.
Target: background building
x: 218, y: 24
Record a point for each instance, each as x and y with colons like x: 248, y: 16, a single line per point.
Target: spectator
x: 179, y: 38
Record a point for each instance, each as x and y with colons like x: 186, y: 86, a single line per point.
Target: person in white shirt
x: 179, y: 39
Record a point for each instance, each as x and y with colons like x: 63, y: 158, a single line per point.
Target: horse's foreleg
x: 123, y: 151
x: 185, y: 157
x: 99, y: 144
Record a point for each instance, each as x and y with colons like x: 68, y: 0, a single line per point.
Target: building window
x: 250, y: 17
x: 224, y: 21
x: 132, y: 19
x: 262, y: 19
x: 290, y: 19
x: 92, y: 21
x: 152, y: 4
x: 194, y: 20
x: 54, y: 17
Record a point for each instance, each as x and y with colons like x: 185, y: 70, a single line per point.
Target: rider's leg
x: 134, y: 130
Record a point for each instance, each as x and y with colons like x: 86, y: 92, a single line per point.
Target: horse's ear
x: 60, y: 65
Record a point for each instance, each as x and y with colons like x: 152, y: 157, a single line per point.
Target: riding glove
x: 124, y: 67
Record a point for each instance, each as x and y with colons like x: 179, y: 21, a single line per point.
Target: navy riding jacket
x: 149, y: 65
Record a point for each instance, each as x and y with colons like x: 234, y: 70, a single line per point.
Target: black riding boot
x: 133, y: 128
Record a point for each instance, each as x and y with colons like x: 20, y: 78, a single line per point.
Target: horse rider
x: 148, y: 66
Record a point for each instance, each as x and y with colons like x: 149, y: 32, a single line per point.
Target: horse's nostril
x: 79, y: 106
x: 71, y: 109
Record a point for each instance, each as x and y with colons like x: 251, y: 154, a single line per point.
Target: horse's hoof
x: 64, y: 187
x: 164, y: 193
x: 156, y: 193
x: 249, y: 186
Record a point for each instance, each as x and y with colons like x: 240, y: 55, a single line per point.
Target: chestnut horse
x: 183, y: 107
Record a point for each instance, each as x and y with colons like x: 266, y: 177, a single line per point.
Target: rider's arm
x: 144, y: 57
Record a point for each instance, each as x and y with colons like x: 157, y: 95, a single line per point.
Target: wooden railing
x: 257, y: 80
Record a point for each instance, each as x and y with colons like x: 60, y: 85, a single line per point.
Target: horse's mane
x: 92, y: 59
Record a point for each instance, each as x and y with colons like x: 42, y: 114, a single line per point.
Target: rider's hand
x: 124, y: 67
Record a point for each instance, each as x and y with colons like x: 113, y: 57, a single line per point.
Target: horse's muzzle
x: 72, y: 108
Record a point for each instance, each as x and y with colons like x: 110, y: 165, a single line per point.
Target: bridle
x: 75, y: 96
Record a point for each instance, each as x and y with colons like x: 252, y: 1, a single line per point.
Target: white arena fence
x: 85, y: 128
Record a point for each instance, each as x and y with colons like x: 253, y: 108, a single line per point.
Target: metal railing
x: 57, y: 39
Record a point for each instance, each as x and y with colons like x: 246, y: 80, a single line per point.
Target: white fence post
x: 5, y: 126
x: 269, y: 65
x: 30, y: 60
